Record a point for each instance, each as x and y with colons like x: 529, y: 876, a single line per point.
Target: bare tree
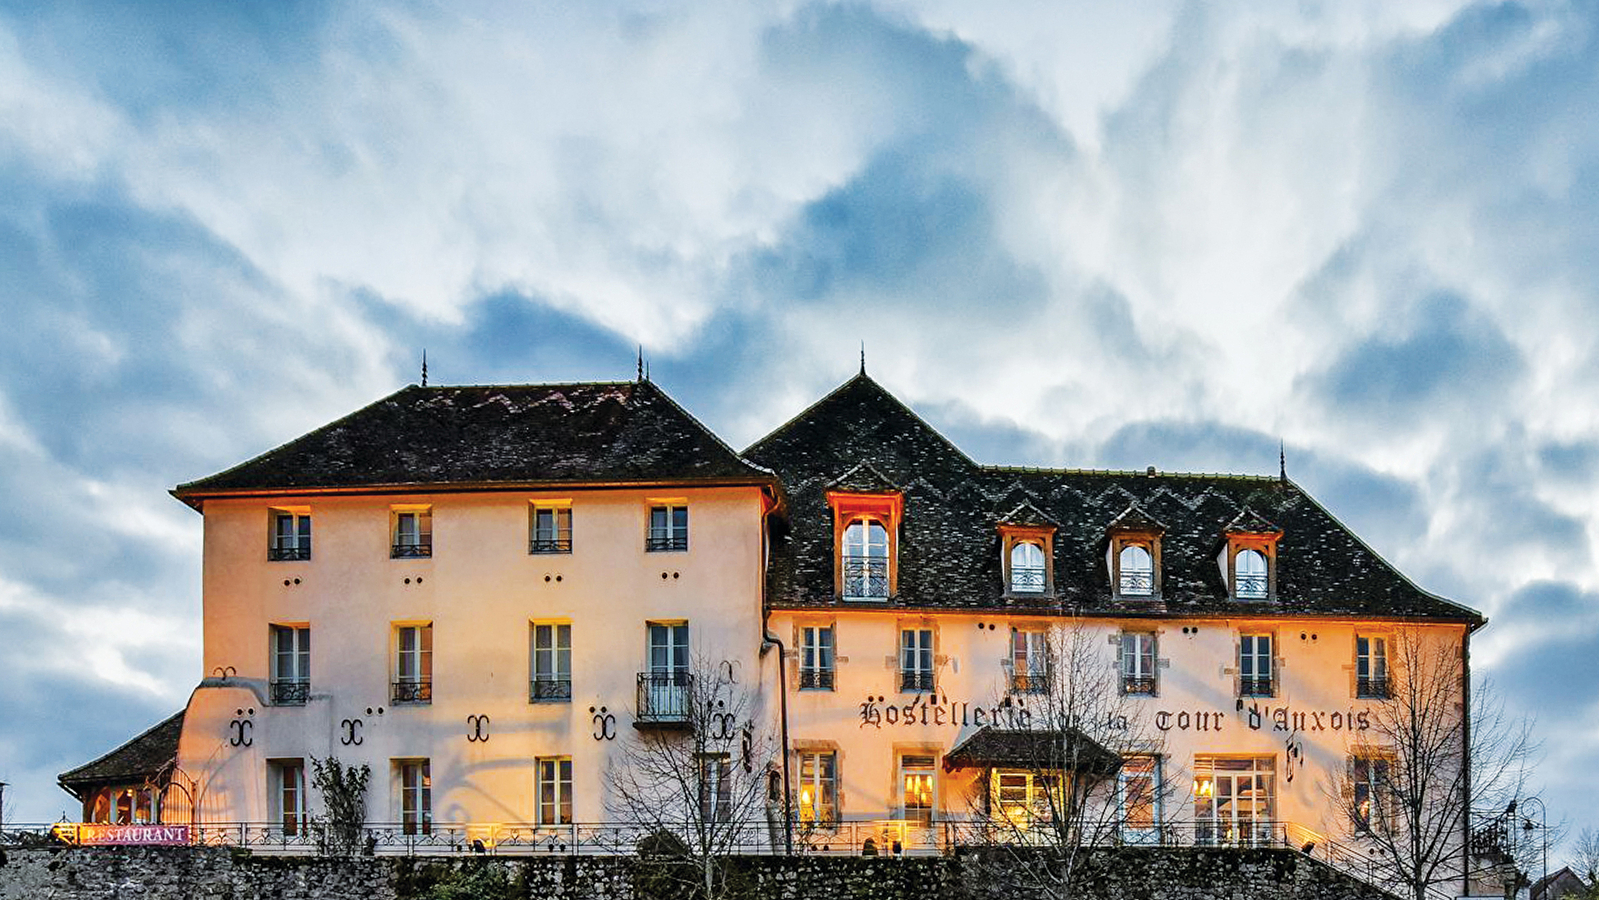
x: 1585, y: 860
x: 1424, y: 765
x: 692, y: 779
x: 1075, y: 766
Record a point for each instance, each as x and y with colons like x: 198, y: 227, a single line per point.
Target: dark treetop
x: 861, y: 438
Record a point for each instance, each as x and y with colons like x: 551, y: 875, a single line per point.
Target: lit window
x: 865, y: 560
x: 1250, y: 574
x: 286, y: 787
x: 1135, y: 571
x: 1025, y: 798
x: 1369, y: 790
x: 1138, y: 662
x: 291, y: 535
x: 668, y: 529
x: 816, y: 658
x: 1234, y: 800
x: 555, y: 790
x: 552, y: 663
x: 916, y: 774
x: 1027, y: 568
x: 1254, y: 665
x: 1139, y: 783
x: 413, y: 664
x: 412, y: 533
x: 1029, y: 661
x: 550, y: 529
x: 416, y: 796
x: 715, y: 787
x: 291, y: 665
x: 1371, y: 667
x: 818, y: 787
x: 916, y: 659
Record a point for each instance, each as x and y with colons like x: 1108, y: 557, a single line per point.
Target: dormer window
x: 867, y: 545
x: 1134, y: 554
x: 1249, y: 574
x: 1027, y: 539
x: 1135, y: 571
x: 1249, y: 557
x: 1026, y: 568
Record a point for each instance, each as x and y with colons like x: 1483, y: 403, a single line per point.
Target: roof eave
x: 196, y: 498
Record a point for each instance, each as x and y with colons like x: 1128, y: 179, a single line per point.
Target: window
x: 552, y: 663
x: 1370, y: 793
x: 291, y: 665
x: 916, y: 788
x: 286, y: 787
x: 668, y: 529
x: 416, y: 796
x: 865, y: 559
x: 1138, y: 662
x: 1029, y: 661
x: 555, y: 790
x: 664, y: 689
x: 1234, y: 800
x: 1027, y: 568
x: 1024, y: 798
x: 818, y: 796
x: 916, y: 659
x: 1371, y: 667
x: 1254, y: 665
x: 1135, y: 571
x: 413, y: 664
x: 291, y: 535
x: 1139, y: 785
x: 1249, y: 574
x: 816, y: 658
x: 716, y: 787
x: 550, y: 529
x: 412, y: 532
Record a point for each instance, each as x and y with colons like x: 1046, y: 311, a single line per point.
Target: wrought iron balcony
x: 289, y: 554
x: 1136, y: 583
x: 865, y: 578
x: 550, y: 545
x: 420, y: 549
x: 1138, y: 684
x: 290, y: 693
x: 412, y: 692
x: 1373, y: 688
x: 1255, y: 687
x: 663, y: 542
x: 1250, y: 587
x: 663, y: 699
x: 1029, y: 683
x: 1027, y: 579
x: 549, y: 690
x: 915, y: 681
x: 816, y: 679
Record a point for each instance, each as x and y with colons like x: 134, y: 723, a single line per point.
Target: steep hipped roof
x: 145, y: 757
x: 1034, y: 749
x: 948, y: 547
x: 603, y: 432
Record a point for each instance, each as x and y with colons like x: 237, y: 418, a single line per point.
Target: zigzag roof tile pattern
x: 949, y: 549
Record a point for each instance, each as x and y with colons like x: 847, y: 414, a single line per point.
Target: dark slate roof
x: 145, y: 757
x: 618, y: 432
x: 949, y: 544
x: 1039, y: 749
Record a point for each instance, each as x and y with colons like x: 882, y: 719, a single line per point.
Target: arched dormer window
x: 1135, y: 571
x: 864, y: 557
x: 1249, y: 557
x: 1249, y: 574
x: 1027, y: 575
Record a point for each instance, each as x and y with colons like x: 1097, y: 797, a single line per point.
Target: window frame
x: 549, y: 686
x: 298, y: 547
x: 554, y: 773
x: 847, y: 507
x: 1371, y: 686
x: 818, y: 787
x: 558, y: 538
x: 904, y: 768
x: 294, y: 687
x: 414, y: 543
x: 417, y: 690
x: 915, y: 678
x: 1262, y: 542
x: 1139, y: 670
x: 1029, y: 675
x: 286, y: 783
x: 818, y: 659
x: 671, y: 536
x: 1380, y: 800
x: 415, y: 794
x: 1153, y: 801
x: 869, y: 560
x: 714, y: 787
x: 1252, y: 683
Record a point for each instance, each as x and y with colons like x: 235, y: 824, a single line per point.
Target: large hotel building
x: 495, y: 595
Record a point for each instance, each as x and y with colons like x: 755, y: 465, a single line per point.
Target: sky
x: 1069, y: 234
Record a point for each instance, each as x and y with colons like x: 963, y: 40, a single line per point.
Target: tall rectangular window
x: 1254, y: 665
x: 818, y: 775
x: 291, y: 535
x: 1234, y: 799
x: 286, y: 787
x: 664, y: 690
x: 816, y: 657
x: 552, y: 663
x: 916, y: 775
x: 555, y: 790
x: 668, y: 529
x: 916, y: 659
x: 291, y: 664
x: 716, y: 787
x: 1139, y: 784
x: 1029, y: 661
x: 412, y: 532
x: 550, y: 529
x: 413, y: 664
x: 1371, y: 667
x: 416, y: 796
x: 1368, y: 776
x: 1138, y: 662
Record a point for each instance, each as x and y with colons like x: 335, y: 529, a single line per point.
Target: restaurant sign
x: 87, y: 835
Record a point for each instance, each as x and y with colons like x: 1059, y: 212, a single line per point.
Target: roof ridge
x: 125, y: 744
x: 705, y: 428
x: 1144, y: 473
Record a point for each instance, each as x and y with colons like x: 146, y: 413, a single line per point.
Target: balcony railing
x: 1027, y: 579
x: 865, y: 578
x: 550, y: 545
x: 1029, y: 683
x: 290, y: 693
x: 1373, y: 688
x: 289, y: 554
x: 549, y: 690
x: 663, y: 698
x: 1255, y: 687
x: 663, y: 542
x: 412, y: 692
x: 1138, y: 684
x: 916, y: 681
x: 1250, y: 587
x: 816, y: 679
x: 1136, y: 583
x: 412, y: 549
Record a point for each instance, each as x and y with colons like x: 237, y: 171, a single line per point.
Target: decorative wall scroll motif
x: 224, y: 672
x: 604, y: 724
x: 241, y: 729
x: 477, y: 729
x: 350, y: 732
x: 722, y: 722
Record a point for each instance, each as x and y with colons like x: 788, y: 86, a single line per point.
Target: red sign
x: 105, y: 835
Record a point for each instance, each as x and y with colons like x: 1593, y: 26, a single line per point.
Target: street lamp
x: 1543, y: 827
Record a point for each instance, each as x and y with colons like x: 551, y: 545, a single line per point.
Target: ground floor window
x: 1139, y: 786
x: 286, y: 787
x: 916, y: 788
x: 1234, y: 799
x: 555, y: 790
x: 818, y: 772
x: 416, y: 796
x: 1022, y: 798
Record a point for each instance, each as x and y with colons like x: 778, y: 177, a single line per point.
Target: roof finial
x: 424, y: 367
x: 863, y: 357
x: 646, y: 370
x: 640, y: 362
x: 1282, y: 460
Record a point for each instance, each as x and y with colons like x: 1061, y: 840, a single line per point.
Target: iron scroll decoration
x: 722, y: 723
x: 604, y: 724
x: 352, y: 732
x: 241, y: 729
x: 477, y: 728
